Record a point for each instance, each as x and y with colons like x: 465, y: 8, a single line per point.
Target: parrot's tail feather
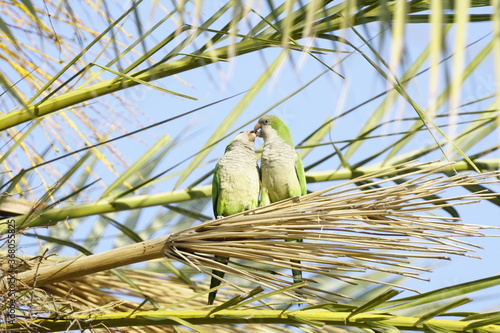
x: 297, y: 278
x: 215, y: 282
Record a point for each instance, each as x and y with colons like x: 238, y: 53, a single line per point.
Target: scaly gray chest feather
x: 279, y: 176
x: 239, y: 182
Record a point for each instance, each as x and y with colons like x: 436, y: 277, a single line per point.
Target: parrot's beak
x: 257, y: 129
x: 251, y: 136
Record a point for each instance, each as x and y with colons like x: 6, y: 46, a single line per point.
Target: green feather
x: 280, y: 127
x: 215, y: 189
x: 301, y: 175
x: 214, y: 282
x: 264, y: 197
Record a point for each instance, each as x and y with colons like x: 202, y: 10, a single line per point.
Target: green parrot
x: 235, y: 187
x: 282, y: 171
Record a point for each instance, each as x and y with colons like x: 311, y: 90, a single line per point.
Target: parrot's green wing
x: 215, y: 190
x: 301, y: 175
x: 264, y: 197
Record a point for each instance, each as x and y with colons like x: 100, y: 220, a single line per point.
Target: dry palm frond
x: 106, y: 293
x: 379, y: 225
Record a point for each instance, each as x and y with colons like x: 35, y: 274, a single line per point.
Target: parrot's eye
x: 267, y: 121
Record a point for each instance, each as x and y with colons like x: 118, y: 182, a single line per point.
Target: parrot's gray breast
x: 239, y: 180
x: 278, y: 170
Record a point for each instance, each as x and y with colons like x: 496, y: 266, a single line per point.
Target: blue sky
x: 329, y: 96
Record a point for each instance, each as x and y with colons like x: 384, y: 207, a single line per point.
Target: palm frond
x: 89, y: 305
x: 384, y: 228
x: 106, y: 293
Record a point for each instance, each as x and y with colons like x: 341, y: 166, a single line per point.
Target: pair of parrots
x: 237, y: 182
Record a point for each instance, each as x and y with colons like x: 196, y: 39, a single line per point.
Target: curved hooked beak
x: 257, y: 129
